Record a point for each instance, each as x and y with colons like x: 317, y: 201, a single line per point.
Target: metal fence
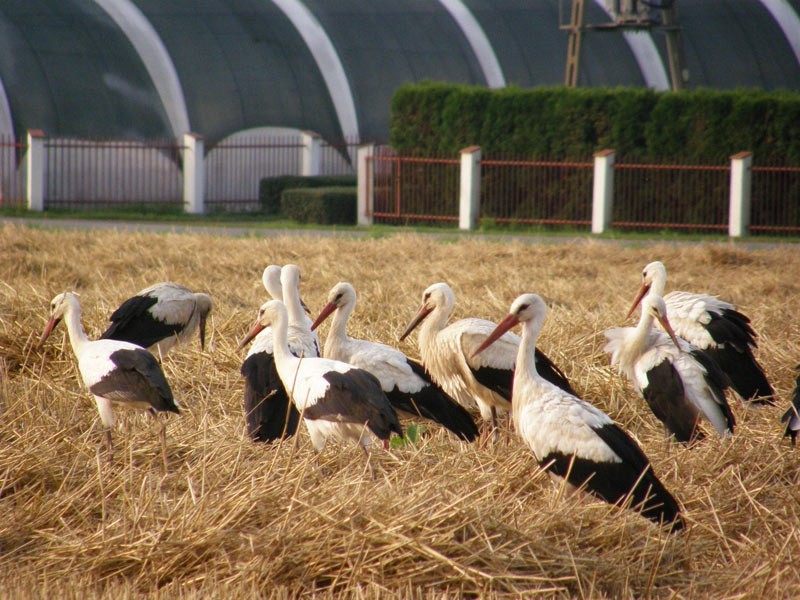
x: 775, y: 200
x: 236, y: 166
x: 688, y: 197
x: 103, y: 173
x: 541, y: 192
x: 12, y: 171
x: 409, y: 190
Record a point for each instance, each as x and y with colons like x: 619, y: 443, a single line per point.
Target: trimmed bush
x: 696, y: 126
x: 323, y: 206
x: 271, y: 188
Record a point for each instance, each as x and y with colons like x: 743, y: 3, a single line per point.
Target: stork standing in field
x: 715, y: 327
x: 115, y: 372
x: 268, y: 410
x: 448, y: 353
x: 792, y: 416
x: 404, y: 381
x: 572, y: 439
x: 679, y: 382
x: 335, y: 399
x: 159, y: 317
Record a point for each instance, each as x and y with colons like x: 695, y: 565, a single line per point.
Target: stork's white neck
x: 636, y: 344
x: 284, y: 359
x: 338, y: 331
x: 525, y: 373
x: 658, y: 283
x: 294, y: 307
x: 72, y: 318
x: 429, y: 328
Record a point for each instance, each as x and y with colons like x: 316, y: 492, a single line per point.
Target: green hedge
x: 271, y: 188
x: 699, y: 126
x: 323, y: 206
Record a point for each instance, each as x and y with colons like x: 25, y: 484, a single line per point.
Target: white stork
x: 115, y: 372
x: 678, y: 381
x: 572, y: 439
x: 268, y: 410
x: 792, y: 416
x: 404, y: 381
x: 448, y: 355
x: 159, y: 317
x: 716, y: 327
x: 335, y: 399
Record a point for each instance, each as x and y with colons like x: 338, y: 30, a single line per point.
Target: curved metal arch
x: 646, y: 54
x: 6, y: 120
x: 786, y: 18
x: 155, y: 57
x: 327, y: 59
x: 472, y: 30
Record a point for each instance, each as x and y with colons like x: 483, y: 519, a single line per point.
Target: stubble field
x: 231, y: 518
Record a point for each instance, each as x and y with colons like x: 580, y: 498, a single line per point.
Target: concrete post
x: 470, y: 189
x: 603, y: 190
x: 194, y: 177
x: 366, y: 191
x: 34, y: 159
x: 312, y: 154
x: 741, y: 176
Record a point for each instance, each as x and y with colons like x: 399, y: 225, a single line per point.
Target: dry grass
x: 233, y: 518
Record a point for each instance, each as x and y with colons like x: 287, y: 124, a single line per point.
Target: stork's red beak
x: 502, y: 327
x: 643, y: 289
x: 668, y: 328
x: 48, y: 329
x: 203, y: 331
x: 423, y: 312
x: 254, y: 331
x: 326, y: 312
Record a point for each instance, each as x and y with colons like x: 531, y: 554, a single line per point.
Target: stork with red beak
x: 448, y: 354
x: 717, y: 328
x: 160, y: 317
x: 115, y: 372
x: 404, y: 381
x: 571, y: 439
x: 679, y: 382
x: 334, y: 398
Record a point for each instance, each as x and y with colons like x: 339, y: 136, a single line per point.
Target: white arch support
x: 646, y: 54
x: 327, y: 59
x: 786, y: 18
x: 478, y: 41
x: 6, y: 122
x: 155, y: 58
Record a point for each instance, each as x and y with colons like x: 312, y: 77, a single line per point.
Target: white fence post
x: 312, y: 154
x: 366, y: 191
x: 35, y: 164
x: 193, y: 174
x: 603, y: 190
x: 741, y: 176
x: 470, y: 188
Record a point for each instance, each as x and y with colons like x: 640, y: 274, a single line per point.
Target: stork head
x: 438, y: 295
x: 341, y: 295
x: 654, y: 277
x: 58, y: 308
x: 526, y: 308
x: 272, y: 281
x: 203, y: 306
x: 654, y: 307
x: 269, y: 314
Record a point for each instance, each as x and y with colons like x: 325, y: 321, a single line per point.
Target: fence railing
x: 541, y: 192
x: 12, y: 171
x: 775, y: 200
x: 652, y: 196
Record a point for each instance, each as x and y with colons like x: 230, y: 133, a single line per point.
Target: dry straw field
x: 230, y: 518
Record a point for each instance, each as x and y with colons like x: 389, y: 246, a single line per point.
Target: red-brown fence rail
x: 541, y: 192
x: 103, y: 173
x: 12, y: 171
x: 410, y: 190
x: 775, y: 200
x: 689, y: 197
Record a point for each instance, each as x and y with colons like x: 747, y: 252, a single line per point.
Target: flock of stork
x: 686, y: 350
